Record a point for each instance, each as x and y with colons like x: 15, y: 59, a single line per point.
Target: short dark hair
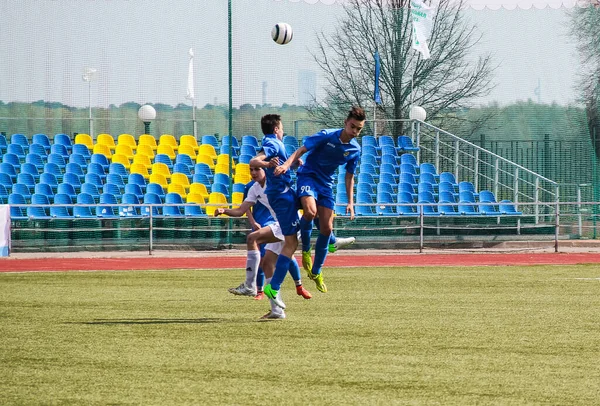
x: 356, y: 113
x: 268, y: 122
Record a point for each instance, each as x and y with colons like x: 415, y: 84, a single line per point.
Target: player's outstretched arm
x: 237, y: 212
x: 283, y: 168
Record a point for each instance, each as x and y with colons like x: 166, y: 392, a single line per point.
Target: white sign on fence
x: 4, y: 230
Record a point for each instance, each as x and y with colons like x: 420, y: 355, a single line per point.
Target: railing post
x: 151, y: 231
x: 456, y: 159
x: 437, y: 149
x: 476, y: 174
x: 536, y: 199
x: 579, y: 218
x: 556, y: 226
x: 422, y: 227
x: 418, y: 141
x: 496, y: 176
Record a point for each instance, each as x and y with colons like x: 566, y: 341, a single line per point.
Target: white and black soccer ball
x: 282, y: 33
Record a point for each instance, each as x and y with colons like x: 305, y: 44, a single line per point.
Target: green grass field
x: 448, y: 336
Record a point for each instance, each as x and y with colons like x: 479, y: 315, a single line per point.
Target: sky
x: 140, y: 49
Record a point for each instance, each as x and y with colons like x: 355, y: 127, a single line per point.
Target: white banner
x: 190, y: 83
x: 422, y: 20
x: 4, y: 230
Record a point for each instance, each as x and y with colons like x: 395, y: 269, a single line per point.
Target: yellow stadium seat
x: 222, y: 168
x: 161, y: 168
x: 144, y: 149
x: 140, y: 168
x: 168, y: 139
x: 126, y: 150
x: 199, y: 189
x: 120, y: 158
x: 127, y: 139
x: 160, y: 179
x: 180, y: 179
x: 237, y: 198
x: 187, y: 150
x: 177, y: 188
x: 102, y: 149
x: 107, y: 140
x: 190, y: 141
x: 242, y: 173
x: 242, y: 178
x: 207, y: 149
x: 147, y: 139
x: 84, y: 139
x: 142, y: 160
x: 218, y: 200
x: 224, y: 158
x: 195, y: 198
x: 207, y: 160
x: 167, y: 150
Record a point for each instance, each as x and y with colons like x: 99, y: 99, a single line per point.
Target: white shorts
x: 276, y: 247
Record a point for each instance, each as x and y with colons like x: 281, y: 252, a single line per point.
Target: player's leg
x: 322, y: 246
x: 284, y: 206
x: 260, y: 276
x: 269, y: 260
x: 307, y: 196
x: 335, y: 243
x: 295, y: 274
x: 248, y: 287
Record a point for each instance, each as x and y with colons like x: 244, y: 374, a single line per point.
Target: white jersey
x: 256, y: 194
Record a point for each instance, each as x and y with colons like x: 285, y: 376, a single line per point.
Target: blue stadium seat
x: 156, y: 189
x: 63, y: 139
x: 39, y: 212
x: 128, y: 208
x: 361, y: 208
x: 39, y: 149
x: 26, y: 179
x: 45, y: 189
x: 385, y: 203
x: 35, y: 159
x: 173, y: 198
x: 75, y: 168
x: 135, y: 189
x: 508, y: 208
x: 92, y: 190
x: 41, y: 139
x: 50, y: 179
x: 3, y: 144
x: 23, y: 190
x: 138, y: 179
x: 405, y: 144
x: 58, y: 211
x: 20, y: 139
x: 210, y: 139
x: 66, y: 189
x: 3, y: 194
x: 89, y: 206
x: 250, y: 140
x: 108, y: 207
x: 83, y: 150
x: 156, y: 202
x: 61, y: 150
x: 79, y: 159
x: 17, y: 208
x: 10, y: 170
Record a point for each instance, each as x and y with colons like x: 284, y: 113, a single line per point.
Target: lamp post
x: 89, y: 75
x: 146, y: 113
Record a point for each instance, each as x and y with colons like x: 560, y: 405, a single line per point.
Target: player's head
x: 271, y: 124
x: 354, y: 123
x: 257, y: 173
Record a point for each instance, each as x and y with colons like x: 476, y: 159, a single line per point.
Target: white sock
x: 252, y: 263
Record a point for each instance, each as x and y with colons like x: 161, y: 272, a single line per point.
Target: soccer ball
x: 282, y: 33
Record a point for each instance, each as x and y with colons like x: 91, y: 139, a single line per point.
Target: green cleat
x: 319, y: 282
x: 307, y: 261
x: 340, y: 243
x: 274, y: 296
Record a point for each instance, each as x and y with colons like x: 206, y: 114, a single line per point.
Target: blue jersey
x: 326, y: 153
x: 273, y: 147
x: 260, y: 212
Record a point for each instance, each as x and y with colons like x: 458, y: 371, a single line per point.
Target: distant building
x: 307, y: 86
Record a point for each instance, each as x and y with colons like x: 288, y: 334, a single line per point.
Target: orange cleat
x: 259, y: 296
x: 303, y: 292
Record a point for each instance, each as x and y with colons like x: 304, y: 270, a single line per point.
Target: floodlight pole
x: 90, y: 109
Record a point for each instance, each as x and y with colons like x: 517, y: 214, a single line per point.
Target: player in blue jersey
x: 282, y: 198
x: 327, y: 150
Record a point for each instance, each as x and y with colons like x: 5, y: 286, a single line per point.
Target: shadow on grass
x: 108, y: 322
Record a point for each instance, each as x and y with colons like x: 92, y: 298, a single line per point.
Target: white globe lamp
x: 146, y: 113
x: 417, y: 113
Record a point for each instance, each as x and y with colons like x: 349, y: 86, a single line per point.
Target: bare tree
x: 585, y: 28
x: 446, y: 80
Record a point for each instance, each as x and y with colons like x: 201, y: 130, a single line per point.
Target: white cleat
x: 341, y: 243
x: 243, y: 290
x: 273, y: 316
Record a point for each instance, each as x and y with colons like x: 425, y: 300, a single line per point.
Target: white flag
x: 422, y: 19
x: 190, y: 84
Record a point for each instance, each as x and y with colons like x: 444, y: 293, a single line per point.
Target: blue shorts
x: 309, y: 186
x: 285, y: 206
